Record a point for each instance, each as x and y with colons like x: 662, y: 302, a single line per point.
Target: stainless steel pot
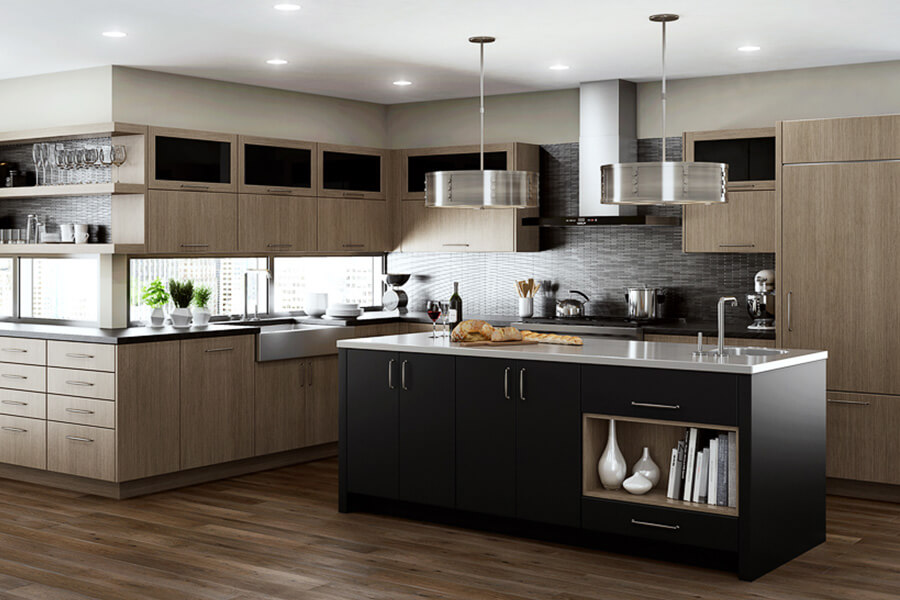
x: 644, y: 302
x: 571, y: 308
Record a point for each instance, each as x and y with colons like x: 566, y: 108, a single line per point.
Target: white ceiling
x: 356, y: 48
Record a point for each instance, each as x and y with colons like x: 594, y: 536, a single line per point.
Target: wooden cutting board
x: 497, y: 344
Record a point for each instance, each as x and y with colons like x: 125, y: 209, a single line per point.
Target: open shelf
x: 58, y: 249
x: 81, y: 189
x: 632, y: 435
x: 73, y: 132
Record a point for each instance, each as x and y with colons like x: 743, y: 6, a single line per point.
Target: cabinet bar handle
x: 403, y: 375
x: 279, y: 245
x: 14, y: 403
x: 219, y: 349
x: 391, y: 374
x: 522, y: 385
x: 352, y: 245
x: 506, y: 382
x: 15, y: 350
x: 853, y: 402
x: 309, y: 373
x: 456, y: 245
x: 192, y: 186
x: 279, y: 190
x: 195, y: 245
x: 657, y: 525
x: 81, y: 383
x: 14, y: 429
x: 12, y: 376
x: 78, y: 355
x: 77, y: 438
x: 789, y: 324
x: 737, y: 245
x: 80, y: 411
x: 652, y: 405
x: 354, y: 195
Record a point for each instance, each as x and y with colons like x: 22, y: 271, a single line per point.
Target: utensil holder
x: 526, y: 307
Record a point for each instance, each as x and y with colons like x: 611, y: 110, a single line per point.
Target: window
x: 224, y: 276
x: 7, y: 287
x: 58, y: 288
x: 344, y: 278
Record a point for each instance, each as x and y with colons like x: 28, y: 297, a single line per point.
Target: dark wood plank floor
x: 278, y: 535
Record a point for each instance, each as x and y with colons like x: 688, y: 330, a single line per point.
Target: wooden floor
x: 278, y: 535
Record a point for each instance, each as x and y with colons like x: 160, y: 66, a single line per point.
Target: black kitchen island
x: 508, y: 439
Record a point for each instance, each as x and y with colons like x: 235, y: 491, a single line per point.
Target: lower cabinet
x: 83, y: 451
x: 322, y: 403
x: 23, y: 442
x: 862, y: 437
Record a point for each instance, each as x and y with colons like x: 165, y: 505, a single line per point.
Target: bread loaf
x: 506, y: 334
x: 552, y: 338
x: 472, y: 330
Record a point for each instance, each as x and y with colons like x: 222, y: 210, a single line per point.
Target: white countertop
x: 620, y: 353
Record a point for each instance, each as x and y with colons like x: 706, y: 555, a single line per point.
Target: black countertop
x: 129, y: 335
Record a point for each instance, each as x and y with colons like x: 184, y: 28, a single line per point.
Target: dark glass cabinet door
x: 276, y: 168
x: 748, y: 159
x: 486, y: 436
x: 418, y: 166
x: 426, y: 419
x: 346, y: 172
x: 192, y: 160
x: 548, y: 443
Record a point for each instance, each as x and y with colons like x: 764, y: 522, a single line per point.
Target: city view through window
x: 55, y: 288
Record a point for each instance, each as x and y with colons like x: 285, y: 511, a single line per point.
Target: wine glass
x: 445, y: 317
x: 119, y: 155
x: 37, y: 153
x: 60, y: 160
x: 72, y: 164
x: 90, y: 161
x: 433, y: 310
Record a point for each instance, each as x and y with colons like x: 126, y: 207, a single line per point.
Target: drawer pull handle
x: 456, y: 245
x: 21, y: 350
x: 391, y: 374
x: 12, y: 376
x: 14, y: 429
x: 652, y: 405
x: 195, y: 245
x: 352, y: 245
x: 737, y: 245
x: 506, y: 383
x: 78, y: 355
x: 279, y: 245
x: 188, y: 186
x: 15, y: 403
x: 279, y: 191
x: 354, y: 195
x: 403, y: 375
x: 522, y: 385
x: 853, y: 402
x: 657, y: 525
x: 219, y: 349
x: 77, y: 438
x: 80, y: 411
x: 79, y: 383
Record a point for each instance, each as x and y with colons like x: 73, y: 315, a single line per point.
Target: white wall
x: 168, y: 100
x: 540, y: 118
x: 56, y: 99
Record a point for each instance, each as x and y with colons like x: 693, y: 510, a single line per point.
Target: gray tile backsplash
x: 599, y: 261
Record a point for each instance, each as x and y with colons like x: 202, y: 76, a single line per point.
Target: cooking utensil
x: 643, y: 302
x: 571, y: 307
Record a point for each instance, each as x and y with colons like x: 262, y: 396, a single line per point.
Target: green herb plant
x: 182, y: 292
x: 201, y: 296
x: 154, y: 294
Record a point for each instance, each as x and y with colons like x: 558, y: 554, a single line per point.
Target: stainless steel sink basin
x: 755, y: 351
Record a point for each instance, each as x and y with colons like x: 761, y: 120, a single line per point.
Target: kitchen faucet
x: 247, y: 288
x: 720, y: 350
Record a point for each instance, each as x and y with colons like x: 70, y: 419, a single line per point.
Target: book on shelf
x: 698, y: 470
x: 674, y: 474
x: 679, y: 470
x: 732, y: 469
x: 704, y: 477
x: 687, y: 496
x: 712, y: 489
x: 722, y: 476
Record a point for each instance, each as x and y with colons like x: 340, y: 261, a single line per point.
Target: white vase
x: 181, y: 318
x: 646, y: 467
x: 201, y: 316
x: 612, y: 467
x: 157, y: 317
x: 637, y: 484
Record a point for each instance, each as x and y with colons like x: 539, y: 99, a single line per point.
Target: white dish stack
x: 343, y: 311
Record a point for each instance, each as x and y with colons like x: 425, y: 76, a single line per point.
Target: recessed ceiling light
x: 114, y: 34
x: 276, y: 61
x: 559, y: 67
x: 287, y: 6
x: 748, y: 49
x: 402, y: 83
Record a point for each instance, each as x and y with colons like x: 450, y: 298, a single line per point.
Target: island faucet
x: 247, y: 289
x: 720, y: 349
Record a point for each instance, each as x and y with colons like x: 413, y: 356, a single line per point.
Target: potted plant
x: 182, y: 293
x: 201, y: 305
x: 155, y: 296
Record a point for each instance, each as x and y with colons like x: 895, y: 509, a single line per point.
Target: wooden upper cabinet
x: 352, y: 172
x: 273, y: 166
x: 746, y: 223
x: 749, y: 153
x: 416, y: 163
x: 191, y: 222
x: 276, y: 223
x: 461, y: 230
x: 838, y: 140
x: 353, y: 226
x: 184, y: 159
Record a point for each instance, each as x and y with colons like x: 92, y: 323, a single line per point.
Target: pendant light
x: 663, y: 183
x: 481, y: 189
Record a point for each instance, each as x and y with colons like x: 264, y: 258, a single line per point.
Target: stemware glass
x: 72, y: 164
x: 433, y: 310
x: 60, y: 160
x: 445, y: 318
x: 37, y: 153
x: 119, y: 155
x: 90, y: 160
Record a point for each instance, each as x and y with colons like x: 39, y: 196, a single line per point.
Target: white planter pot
x: 181, y: 318
x: 157, y: 317
x: 201, y: 316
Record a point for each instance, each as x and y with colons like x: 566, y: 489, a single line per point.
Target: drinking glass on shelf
x: 433, y: 310
x: 37, y: 153
x: 119, y: 155
x: 59, y: 157
x: 72, y: 164
x: 90, y: 160
x: 445, y: 317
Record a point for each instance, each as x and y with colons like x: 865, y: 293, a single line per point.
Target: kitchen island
x: 508, y: 439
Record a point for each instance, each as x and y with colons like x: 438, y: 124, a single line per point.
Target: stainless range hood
x: 607, y: 135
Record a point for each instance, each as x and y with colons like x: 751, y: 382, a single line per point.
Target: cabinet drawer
x: 660, y: 394
x: 23, y: 377
x: 76, y: 355
x: 81, y: 411
x: 664, y: 524
x: 23, y: 404
x: 83, y: 451
x: 23, y: 351
x: 23, y: 442
x: 89, y: 384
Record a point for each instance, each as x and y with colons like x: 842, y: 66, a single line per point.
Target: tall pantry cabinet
x: 839, y: 264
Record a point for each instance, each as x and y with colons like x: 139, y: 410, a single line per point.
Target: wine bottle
x: 456, y: 313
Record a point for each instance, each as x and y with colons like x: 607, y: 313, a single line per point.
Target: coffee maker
x: 761, y: 303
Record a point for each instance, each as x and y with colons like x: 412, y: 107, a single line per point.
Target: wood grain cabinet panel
x: 280, y: 408
x: 835, y: 140
x: 322, y: 400
x: 23, y: 351
x: 23, y: 404
x: 82, y: 451
x: 191, y: 222
x: 23, y: 442
x: 746, y: 223
x: 81, y: 411
x: 87, y: 384
x: 448, y: 230
x: 217, y: 391
x: 276, y: 224
x: 79, y: 355
x: 353, y: 225
x: 29, y: 378
x: 862, y: 437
